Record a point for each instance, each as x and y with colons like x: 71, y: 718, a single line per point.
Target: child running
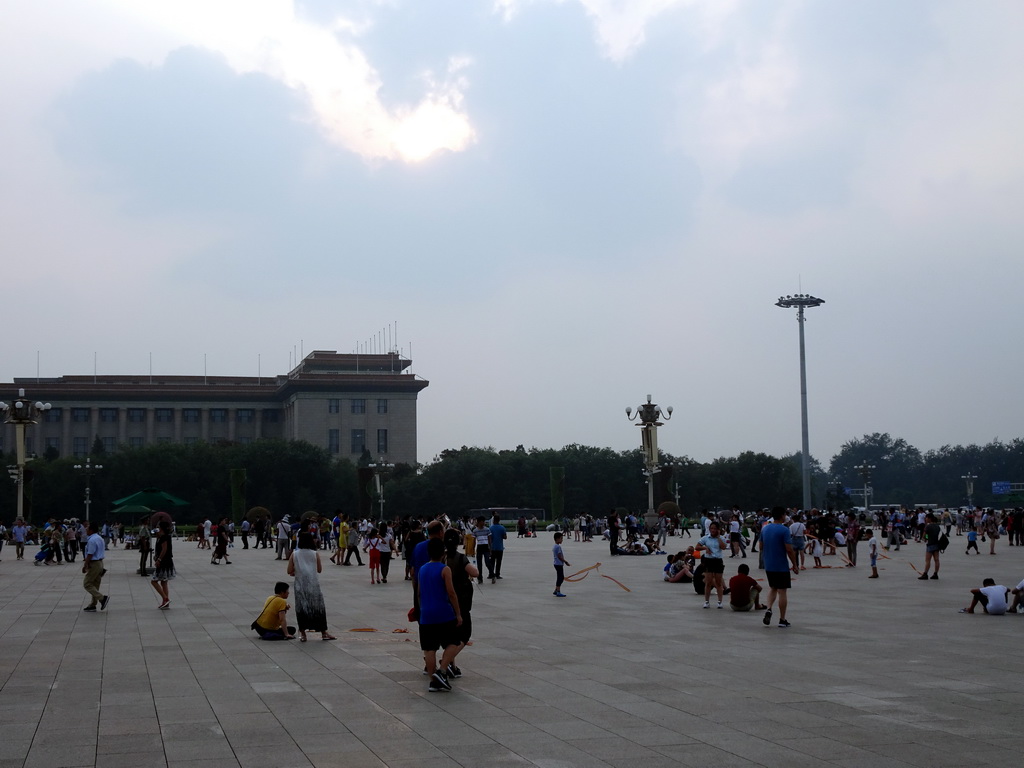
x: 972, y: 542
x: 560, y: 564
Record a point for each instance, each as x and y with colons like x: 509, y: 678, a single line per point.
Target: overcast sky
x: 564, y: 205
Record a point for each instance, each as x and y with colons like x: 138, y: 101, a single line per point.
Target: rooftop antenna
x: 93, y: 367
x: 259, y: 369
x: 204, y: 369
x: 150, y: 367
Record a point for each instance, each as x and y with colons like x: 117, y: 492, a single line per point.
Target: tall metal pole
x: 804, y: 439
x: 802, y: 301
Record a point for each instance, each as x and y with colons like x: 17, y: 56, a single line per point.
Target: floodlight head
x: 799, y: 300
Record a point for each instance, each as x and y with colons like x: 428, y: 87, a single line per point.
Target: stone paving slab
x: 873, y: 672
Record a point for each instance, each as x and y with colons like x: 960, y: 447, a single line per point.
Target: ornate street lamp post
x: 379, y: 468
x: 802, y: 301
x: 21, y: 413
x: 969, y: 479
x: 88, y: 468
x: 865, y: 472
x: 648, y: 416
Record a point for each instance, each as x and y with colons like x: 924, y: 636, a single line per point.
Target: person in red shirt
x: 744, y: 592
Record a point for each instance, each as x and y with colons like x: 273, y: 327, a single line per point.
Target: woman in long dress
x: 310, y: 612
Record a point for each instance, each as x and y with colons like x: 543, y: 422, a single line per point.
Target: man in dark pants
x: 483, y: 550
x: 778, y: 555
x: 613, y: 533
x: 497, y: 544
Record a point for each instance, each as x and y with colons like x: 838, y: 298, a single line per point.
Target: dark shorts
x: 734, y: 537
x: 465, y: 630
x: 713, y: 564
x: 779, y: 579
x: 434, y: 636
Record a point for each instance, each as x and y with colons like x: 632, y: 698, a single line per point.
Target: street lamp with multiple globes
x: 648, y: 416
x: 969, y: 479
x: 379, y: 467
x: 21, y: 413
x: 865, y: 471
x: 88, y: 468
x: 802, y: 301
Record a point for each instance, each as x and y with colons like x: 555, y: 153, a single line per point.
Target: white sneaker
x: 707, y: 604
x: 719, y: 603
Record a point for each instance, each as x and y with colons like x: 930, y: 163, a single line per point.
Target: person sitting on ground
x: 271, y: 623
x: 677, y: 569
x: 652, y: 546
x: 992, y: 596
x: 744, y: 592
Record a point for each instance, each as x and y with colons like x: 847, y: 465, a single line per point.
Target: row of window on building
x: 82, y: 446
x: 138, y: 415
x: 193, y: 415
x: 356, y: 405
x: 357, y: 441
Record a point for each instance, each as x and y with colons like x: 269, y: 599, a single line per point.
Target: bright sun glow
x: 343, y: 88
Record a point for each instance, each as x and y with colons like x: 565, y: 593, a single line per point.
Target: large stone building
x: 343, y: 403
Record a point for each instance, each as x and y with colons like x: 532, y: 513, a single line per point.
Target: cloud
x: 620, y: 26
x: 326, y: 64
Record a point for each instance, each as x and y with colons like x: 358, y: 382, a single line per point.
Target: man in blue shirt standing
x: 95, y: 551
x: 778, y: 553
x: 497, y: 542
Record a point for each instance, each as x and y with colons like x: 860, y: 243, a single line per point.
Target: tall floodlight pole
x: 969, y: 479
x: 648, y: 416
x: 802, y: 301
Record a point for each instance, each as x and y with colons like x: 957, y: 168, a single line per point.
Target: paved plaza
x: 874, y: 673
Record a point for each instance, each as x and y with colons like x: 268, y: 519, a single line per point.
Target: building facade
x: 342, y: 403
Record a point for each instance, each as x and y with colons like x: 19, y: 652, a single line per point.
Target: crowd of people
x: 443, y: 557
x: 818, y: 533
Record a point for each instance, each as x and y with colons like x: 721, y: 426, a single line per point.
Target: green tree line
x: 292, y: 477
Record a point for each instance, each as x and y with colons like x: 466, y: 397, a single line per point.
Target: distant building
x: 342, y: 403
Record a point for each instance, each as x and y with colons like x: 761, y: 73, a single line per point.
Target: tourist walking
x: 932, y: 534
x: 310, y: 612
x: 284, y: 532
x: 497, y: 543
x: 163, y: 565
x: 439, y: 616
x: 483, y: 551
x: 463, y: 573
x: 222, y: 538
x: 778, y: 553
x: 92, y: 567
